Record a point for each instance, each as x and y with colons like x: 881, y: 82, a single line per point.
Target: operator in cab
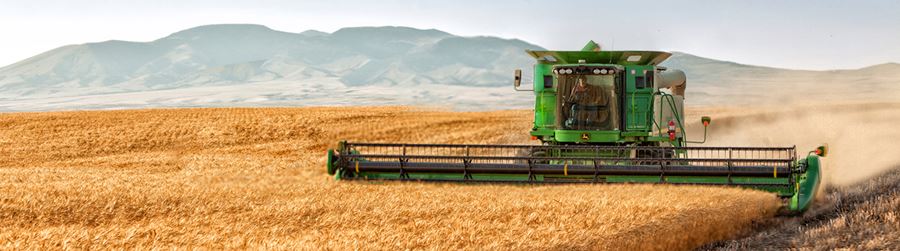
x: 588, y: 106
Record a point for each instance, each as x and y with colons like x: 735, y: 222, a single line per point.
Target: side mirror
x: 705, y: 120
x: 518, y: 78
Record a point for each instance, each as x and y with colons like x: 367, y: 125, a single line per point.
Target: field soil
x: 255, y: 178
x: 864, y: 216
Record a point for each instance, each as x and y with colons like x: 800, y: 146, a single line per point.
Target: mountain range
x: 252, y: 65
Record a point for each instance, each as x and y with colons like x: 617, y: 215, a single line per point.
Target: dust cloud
x: 862, y: 137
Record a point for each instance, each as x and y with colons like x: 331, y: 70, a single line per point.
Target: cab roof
x: 601, y: 57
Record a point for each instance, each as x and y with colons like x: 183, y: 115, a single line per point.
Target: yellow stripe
x: 357, y: 166
x: 775, y: 172
x: 566, y: 169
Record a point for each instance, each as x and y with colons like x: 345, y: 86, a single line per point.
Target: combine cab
x: 602, y: 117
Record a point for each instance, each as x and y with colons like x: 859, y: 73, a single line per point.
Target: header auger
x: 601, y: 117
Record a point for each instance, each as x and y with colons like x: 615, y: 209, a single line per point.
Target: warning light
x: 705, y: 120
x: 822, y: 150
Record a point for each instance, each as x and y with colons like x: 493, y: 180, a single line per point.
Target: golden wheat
x: 254, y: 178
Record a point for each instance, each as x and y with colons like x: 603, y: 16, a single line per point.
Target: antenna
x: 612, y: 46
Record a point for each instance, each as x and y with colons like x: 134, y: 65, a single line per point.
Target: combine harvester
x: 602, y: 117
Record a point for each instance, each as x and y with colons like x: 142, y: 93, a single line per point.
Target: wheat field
x: 255, y: 178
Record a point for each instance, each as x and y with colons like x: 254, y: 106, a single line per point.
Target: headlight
x: 597, y: 71
x: 568, y: 71
x: 603, y: 71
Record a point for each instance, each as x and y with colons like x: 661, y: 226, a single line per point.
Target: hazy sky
x: 792, y: 34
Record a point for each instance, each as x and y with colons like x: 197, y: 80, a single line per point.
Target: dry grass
x: 254, y: 178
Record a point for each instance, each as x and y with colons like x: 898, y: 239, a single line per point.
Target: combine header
x: 602, y: 117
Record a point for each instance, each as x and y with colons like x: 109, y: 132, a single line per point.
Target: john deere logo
x: 585, y: 136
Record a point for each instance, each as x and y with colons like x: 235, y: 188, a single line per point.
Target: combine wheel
x: 532, y: 153
x: 343, y: 174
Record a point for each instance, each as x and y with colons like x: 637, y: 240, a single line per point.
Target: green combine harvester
x: 602, y: 117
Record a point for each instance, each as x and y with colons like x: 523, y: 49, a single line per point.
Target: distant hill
x: 252, y: 65
x: 218, y: 55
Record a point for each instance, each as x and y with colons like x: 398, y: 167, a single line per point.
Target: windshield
x: 587, y: 102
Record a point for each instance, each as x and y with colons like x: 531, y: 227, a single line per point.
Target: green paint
x: 579, y: 136
x: 807, y: 185
x: 330, y: 163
